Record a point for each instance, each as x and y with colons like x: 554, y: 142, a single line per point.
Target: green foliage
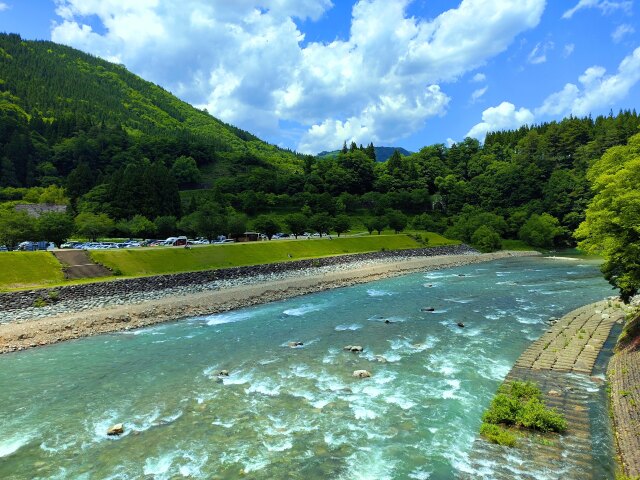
x: 341, y: 224
x: 267, y: 225
x: 321, y: 223
x: 93, y: 226
x: 397, y: 220
x: 486, y: 239
x: 166, y: 226
x: 15, y: 227
x: 540, y: 231
x: 520, y: 404
x: 55, y: 227
x: 470, y: 219
x: 296, y: 223
x: 185, y: 170
x: 379, y: 223
x: 498, y: 434
x: 612, y: 218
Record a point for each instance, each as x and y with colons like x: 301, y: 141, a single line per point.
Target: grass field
x: 167, y: 260
x: 29, y: 269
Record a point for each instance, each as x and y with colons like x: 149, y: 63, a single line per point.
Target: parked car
x: 3, y: 248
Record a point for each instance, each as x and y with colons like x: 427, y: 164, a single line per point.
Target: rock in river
x: 117, y: 429
x: 361, y: 374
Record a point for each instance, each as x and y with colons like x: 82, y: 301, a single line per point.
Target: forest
x: 130, y: 159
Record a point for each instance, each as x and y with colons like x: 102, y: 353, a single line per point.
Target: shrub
x: 498, y: 434
x: 535, y: 416
x: 520, y: 404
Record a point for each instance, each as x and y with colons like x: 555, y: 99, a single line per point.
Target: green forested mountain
x: 59, y: 107
x: 128, y: 155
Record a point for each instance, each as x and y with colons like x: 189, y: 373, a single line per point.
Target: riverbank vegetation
x: 519, y: 405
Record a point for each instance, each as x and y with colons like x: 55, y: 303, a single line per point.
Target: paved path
x: 560, y: 362
x: 77, y: 264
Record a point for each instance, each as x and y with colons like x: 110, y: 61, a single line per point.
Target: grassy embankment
x: 22, y: 270
x: 29, y: 269
x: 137, y: 262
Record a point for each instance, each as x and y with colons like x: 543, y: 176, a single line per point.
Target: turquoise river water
x: 290, y: 413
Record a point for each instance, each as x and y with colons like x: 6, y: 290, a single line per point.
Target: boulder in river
x: 355, y: 348
x: 117, y: 429
x: 461, y: 325
x: 295, y: 344
x: 427, y: 309
x: 223, y: 373
x: 554, y: 393
x: 361, y: 374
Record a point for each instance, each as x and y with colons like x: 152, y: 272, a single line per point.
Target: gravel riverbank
x: 79, y: 316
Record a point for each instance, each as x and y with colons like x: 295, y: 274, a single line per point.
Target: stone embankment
x: 561, y: 362
x: 68, y: 298
x: 79, y: 314
x: 624, y: 378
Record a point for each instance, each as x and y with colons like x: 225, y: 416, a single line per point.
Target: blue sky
x: 310, y: 74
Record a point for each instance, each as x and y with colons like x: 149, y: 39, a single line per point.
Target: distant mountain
x: 382, y: 153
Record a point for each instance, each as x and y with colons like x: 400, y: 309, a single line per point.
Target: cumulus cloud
x: 622, y: 30
x: 605, y: 6
x: 478, y: 93
x: 3, y: 6
x: 504, y: 116
x: 245, y: 61
x: 597, y: 90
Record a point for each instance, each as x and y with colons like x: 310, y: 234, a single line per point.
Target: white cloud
x: 477, y: 94
x: 621, y: 31
x: 479, y: 77
x: 539, y: 53
x: 504, y: 116
x: 568, y: 50
x: 596, y: 90
x: 605, y: 6
x: 245, y: 60
x: 3, y: 6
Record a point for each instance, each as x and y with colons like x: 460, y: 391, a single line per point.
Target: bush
x: 535, y: 416
x: 520, y: 404
x: 498, y: 434
x: 486, y: 239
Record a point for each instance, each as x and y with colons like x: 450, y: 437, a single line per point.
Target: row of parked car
x: 168, y: 242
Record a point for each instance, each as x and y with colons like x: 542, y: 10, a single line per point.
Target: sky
x: 311, y: 74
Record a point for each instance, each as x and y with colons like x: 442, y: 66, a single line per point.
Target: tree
x: 141, y: 226
x: 397, y: 220
x: 321, y: 223
x: 486, y: 239
x: 341, y: 224
x: 612, y: 222
x: 55, y: 227
x: 185, y: 170
x: 93, y: 226
x: 370, y: 224
x: 267, y: 225
x: 296, y: 223
x: 237, y: 225
x: 380, y: 223
x: 540, y: 230
x: 15, y: 227
x: 165, y: 226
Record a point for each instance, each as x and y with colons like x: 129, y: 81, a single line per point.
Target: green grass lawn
x: 152, y: 261
x: 29, y: 269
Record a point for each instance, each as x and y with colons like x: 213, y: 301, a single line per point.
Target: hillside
x: 52, y: 91
x: 382, y: 153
